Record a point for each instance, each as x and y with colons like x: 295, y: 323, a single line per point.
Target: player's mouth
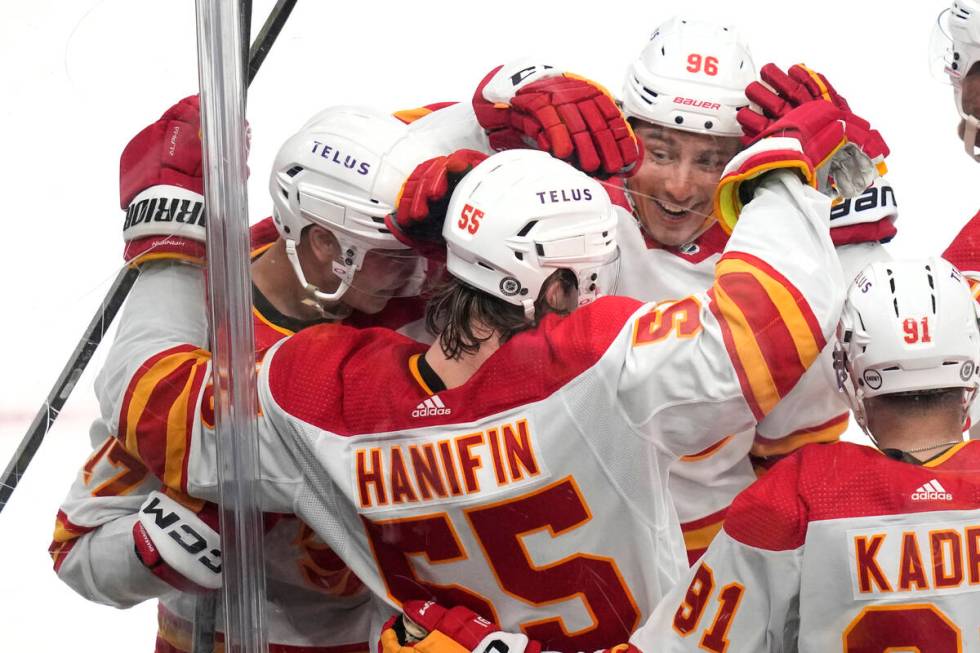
x: 673, y: 212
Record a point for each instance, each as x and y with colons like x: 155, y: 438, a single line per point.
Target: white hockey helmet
x: 906, y: 326
x: 691, y: 76
x: 343, y: 171
x: 520, y: 215
x: 954, y: 50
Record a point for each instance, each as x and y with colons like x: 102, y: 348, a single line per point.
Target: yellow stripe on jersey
x: 177, y: 435
x: 760, y: 380
x: 278, y: 329
x: 830, y: 431
x: 946, y: 455
x: 700, y: 538
x: 806, y: 345
x: 413, y: 367
x: 143, y: 392
x: 770, y: 332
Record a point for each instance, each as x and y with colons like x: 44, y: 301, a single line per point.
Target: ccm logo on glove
x: 181, y: 531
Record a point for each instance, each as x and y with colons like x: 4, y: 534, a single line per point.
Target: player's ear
x: 322, y: 244
x: 560, y: 292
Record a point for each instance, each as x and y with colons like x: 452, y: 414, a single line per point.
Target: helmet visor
x: 942, y: 66
x: 382, y: 274
x: 599, y: 279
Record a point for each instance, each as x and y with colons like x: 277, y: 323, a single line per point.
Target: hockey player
x: 955, y: 55
x: 959, y: 27
x: 838, y: 546
x: 548, y: 432
x: 682, y: 94
x: 956, y: 44
x: 329, y: 259
x: 841, y: 544
x: 300, y: 278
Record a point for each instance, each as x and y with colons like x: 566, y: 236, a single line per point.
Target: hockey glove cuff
x: 178, y: 545
x: 423, y: 202
x: 572, y: 118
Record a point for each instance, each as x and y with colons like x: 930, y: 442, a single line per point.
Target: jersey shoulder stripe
x: 66, y: 534
x: 769, y: 330
x: 157, y: 415
x: 829, y: 431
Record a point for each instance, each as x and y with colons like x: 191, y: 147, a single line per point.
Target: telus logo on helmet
x: 325, y: 151
x: 570, y: 195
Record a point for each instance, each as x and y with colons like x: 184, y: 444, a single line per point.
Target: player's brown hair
x: 922, y: 401
x: 463, y: 318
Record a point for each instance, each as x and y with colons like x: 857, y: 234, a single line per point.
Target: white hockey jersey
x: 315, y: 603
x: 837, y: 547
x: 703, y: 485
x: 501, y: 494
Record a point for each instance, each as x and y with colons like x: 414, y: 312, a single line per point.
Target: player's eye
x: 712, y: 162
x: 659, y: 155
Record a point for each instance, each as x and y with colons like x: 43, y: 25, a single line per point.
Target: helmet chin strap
x: 317, y: 297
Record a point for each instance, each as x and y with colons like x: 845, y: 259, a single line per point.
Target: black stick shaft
x: 117, y: 294
x: 66, y: 382
x: 268, y: 35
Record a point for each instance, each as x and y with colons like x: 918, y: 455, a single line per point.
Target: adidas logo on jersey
x: 431, y: 406
x: 932, y: 491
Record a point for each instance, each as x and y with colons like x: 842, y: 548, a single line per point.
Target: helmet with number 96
x: 691, y: 76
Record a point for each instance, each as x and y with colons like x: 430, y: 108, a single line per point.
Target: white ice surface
x: 80, y: 77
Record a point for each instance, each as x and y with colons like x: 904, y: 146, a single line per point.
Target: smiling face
x: 674, y: 188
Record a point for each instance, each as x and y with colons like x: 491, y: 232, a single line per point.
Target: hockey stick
x: 117, y: 294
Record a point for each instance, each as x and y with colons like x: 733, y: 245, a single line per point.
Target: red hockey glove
x: 568, y: 116
x: 804, y: 140
x: 427, y: 627
x: 161, y: 188
x: 424, y: 201
x: 179, y: 546
x: 800, y: 86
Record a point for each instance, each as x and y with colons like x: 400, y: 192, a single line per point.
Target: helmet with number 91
x: 342, y: 171
x: 691, y: 76
x: 520, y: 215
x: 907, y: 326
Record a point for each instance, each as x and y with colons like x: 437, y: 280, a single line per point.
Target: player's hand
x: 161, y: 188
x: 814, y: 140
x: 427, y: 627
x: 178, y: 545
x: 787, y: 91
x: 570, y: 117
x: 424, y: 201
